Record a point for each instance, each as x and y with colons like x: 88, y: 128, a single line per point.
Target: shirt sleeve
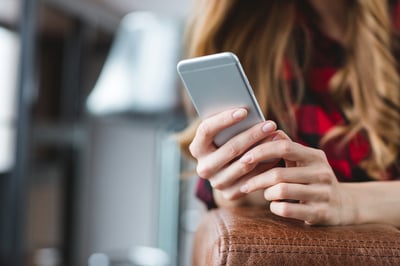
x: 205, y: 194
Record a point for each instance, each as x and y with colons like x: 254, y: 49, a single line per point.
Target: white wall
x: 117, y: 196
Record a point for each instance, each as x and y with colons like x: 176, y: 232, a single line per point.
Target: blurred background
x: 89, y: 100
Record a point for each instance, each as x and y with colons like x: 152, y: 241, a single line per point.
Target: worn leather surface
x: 254, y: 236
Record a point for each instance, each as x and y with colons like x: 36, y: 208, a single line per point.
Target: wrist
x: 372, y: 202
x: 351, y: 207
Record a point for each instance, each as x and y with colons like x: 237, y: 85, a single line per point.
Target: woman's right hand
x: 220, y: 165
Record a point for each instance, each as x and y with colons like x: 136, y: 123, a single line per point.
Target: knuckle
x: 280, y: 132
x: 285, y: 209
x: 286, y: 146
x: 215, y: 184
x: 228, y: 195
x: 255, y: 136
x: 321, y: 155
x: 317, y: 216
x: 233, y: 149
x: 312, y: 219
x: 193, y: 149
x: 282, y: 135
x: 323, y: 215
x: 282, y: 191
x: 203, y: 171
x: 325, y: 177
x: 277, y: 175
x: 245, y: 168
x: 204, y: 129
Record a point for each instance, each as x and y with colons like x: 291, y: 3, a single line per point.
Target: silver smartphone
x: 216, y: 83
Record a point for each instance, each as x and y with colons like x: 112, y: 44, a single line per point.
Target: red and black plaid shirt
x: 318, y: 113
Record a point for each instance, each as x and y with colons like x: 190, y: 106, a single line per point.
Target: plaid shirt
x: 318, y: 113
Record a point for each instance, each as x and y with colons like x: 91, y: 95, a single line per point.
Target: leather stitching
x: 310, y: 253
x: 314, y: 239
x: 312, y: 245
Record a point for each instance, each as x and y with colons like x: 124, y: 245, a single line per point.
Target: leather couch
x: 253, y: 236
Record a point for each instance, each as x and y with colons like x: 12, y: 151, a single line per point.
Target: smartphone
x: 216, y: 83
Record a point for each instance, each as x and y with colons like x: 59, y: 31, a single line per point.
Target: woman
x: 326, y: 73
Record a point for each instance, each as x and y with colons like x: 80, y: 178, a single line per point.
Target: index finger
x: 211, y: 126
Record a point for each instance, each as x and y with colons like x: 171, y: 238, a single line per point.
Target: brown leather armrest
x: 253, y: 236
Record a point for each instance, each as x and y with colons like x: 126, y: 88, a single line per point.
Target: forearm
x: 375, y: 202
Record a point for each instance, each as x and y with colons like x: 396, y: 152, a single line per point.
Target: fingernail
x: 269, y: 126
x: 244, y: 188
x: 239, y: 114
x: 247, y: 158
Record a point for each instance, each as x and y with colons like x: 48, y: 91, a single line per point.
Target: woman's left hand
x: 306, y: 189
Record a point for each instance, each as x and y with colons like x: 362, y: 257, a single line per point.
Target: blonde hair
x: 263, y: 35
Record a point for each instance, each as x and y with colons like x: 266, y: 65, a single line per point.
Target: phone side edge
x: 250, y: 91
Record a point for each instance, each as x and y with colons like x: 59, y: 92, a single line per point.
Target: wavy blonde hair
x: 263, y: 35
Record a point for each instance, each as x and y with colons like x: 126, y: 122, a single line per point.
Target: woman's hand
x: 219, y: 164
x: 306, y: 189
